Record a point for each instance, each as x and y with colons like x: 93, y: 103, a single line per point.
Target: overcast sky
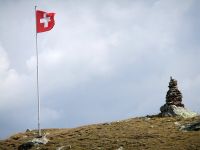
x: 104, y: 60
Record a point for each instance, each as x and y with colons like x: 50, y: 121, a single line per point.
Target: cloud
x: 14, y: 95
x: 8, y: 79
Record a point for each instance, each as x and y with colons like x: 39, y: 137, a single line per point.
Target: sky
x: 104, y: 60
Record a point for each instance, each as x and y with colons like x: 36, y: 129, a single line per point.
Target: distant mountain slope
x: 137, y: 133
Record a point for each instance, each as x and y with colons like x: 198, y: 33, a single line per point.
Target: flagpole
x: 38, y: 93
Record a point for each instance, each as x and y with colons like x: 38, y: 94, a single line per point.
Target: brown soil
x: 138, y: 133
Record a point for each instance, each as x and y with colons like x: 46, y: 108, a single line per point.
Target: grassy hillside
x: 137, y: 133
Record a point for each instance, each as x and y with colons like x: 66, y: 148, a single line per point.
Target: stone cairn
x: 173, y: 98
x: 173, y: 105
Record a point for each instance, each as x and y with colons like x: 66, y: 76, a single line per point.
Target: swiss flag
x: 44, y: 21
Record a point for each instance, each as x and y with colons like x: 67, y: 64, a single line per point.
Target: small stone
x: 147, y: 118
x: 177, y: 123
x: 28, y: 130
x: 104, y: 124
x: 60, y: 148
x: 120, y: 148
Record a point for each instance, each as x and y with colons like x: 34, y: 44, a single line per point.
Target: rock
x: 167, y: 111
x: 104, y: 124
x: 147, y: 118
x: 183, y: 112
x: 173, y: 105
x: 35, y: 141
x: 41, y: 140
x: 174, y: 96
x: 120, y: 148
x: 26, y: 146
x: 191, y: 127
x: 177, y: 123
x: 28, y: 130
x: 60, y: 148
x: 172, y: 110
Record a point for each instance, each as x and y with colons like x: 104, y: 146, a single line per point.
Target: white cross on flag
x: 44, y: 21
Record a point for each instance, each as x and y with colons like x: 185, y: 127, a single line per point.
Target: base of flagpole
x: 39, y: 131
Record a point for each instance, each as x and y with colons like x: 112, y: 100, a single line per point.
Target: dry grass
x: 137, y: 133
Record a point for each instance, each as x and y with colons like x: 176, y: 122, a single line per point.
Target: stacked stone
x: 173, y: 105
x: 173, y: 99
x: 174, y: 96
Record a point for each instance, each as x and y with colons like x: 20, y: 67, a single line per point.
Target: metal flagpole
x: 38, y: 93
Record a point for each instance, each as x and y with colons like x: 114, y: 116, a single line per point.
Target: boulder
x: 36, y: 141
x: 26, y: 146
x: 192, y: 127
x: 172, y: 110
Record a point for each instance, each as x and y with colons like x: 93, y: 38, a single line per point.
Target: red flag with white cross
x: 44, y: 21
